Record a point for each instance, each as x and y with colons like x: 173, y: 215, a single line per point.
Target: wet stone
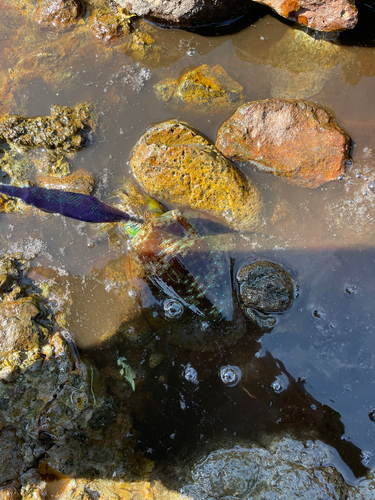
x: 286, y: 470
x: 142, y: 47
x: 175, y: 162
x: 110, y: 25
x: 66, y: 129
x: 297, y: 140
x: 59, y: 14
x: 265, y: 288
x: 80, y: 181
x: 201, y: 90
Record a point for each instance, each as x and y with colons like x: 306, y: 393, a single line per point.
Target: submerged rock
x: 58, y: 14
x: 286, y: 470
x: 201, y: 90
x: 142, y: 47
x: 297, y: 140
x: 265, y: 288
x: 65, y: 129
x: 108, y: 25
x: 80, y: 181
x: 175, y: 162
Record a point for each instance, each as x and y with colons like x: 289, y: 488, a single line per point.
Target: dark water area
x: 317, y: 364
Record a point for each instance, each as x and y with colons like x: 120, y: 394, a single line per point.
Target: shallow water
x: 326, y: 239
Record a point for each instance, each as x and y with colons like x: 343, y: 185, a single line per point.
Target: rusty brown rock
x: 201, y: 90
x: 110, y: 25
x: 58, y: 14
x: 330, y: 15
x: 294, y: 139
x: 175, y: 162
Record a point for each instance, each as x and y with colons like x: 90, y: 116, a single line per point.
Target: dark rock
x: 175, y: 162
x: 60, y: 14
x: 265, y: 287
x: 201, y: 90
x: 297, y: 140
x: 11, y: 463
x: 185, y: 13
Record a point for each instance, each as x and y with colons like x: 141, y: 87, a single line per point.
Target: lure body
x: 74, y: 205
x: 185, y: 266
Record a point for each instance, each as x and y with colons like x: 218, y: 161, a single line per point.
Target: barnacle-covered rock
x: 201, y: 90
x: 265, y: 288
x: 65, y: 129
x: 175, y: 162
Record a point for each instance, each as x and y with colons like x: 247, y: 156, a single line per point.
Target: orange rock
x: 175, y: 162
x: 294, y: 139
x: 335, y: 15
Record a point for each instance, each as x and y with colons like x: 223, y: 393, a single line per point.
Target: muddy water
x: 325, y: 237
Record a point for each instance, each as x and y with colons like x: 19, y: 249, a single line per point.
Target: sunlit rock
x: 109, y: 25
x: 80, y: 181
x: 175, y: 162
x: 297, y: 140
x: 58, y: 14
x: 201, y: 90
x: 186, y: 12
x: 337, y: 15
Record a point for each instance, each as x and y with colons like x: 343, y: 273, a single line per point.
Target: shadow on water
x: 177, y: 412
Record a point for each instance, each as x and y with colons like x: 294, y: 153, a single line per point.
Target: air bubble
x: 173, y: 309
x: 368, y: 152
x: 371, y: 187
x: 190, y: 52
x: 230, y: 375
x: 359, y: 175
x: 205, y: 325
x: 280, y: 383
x: 341, y: 177
x: 190, y: 374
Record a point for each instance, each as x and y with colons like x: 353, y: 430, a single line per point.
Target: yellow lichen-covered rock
x: 175, y: 162
x: 201, y: 90
x: 142, y: 47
